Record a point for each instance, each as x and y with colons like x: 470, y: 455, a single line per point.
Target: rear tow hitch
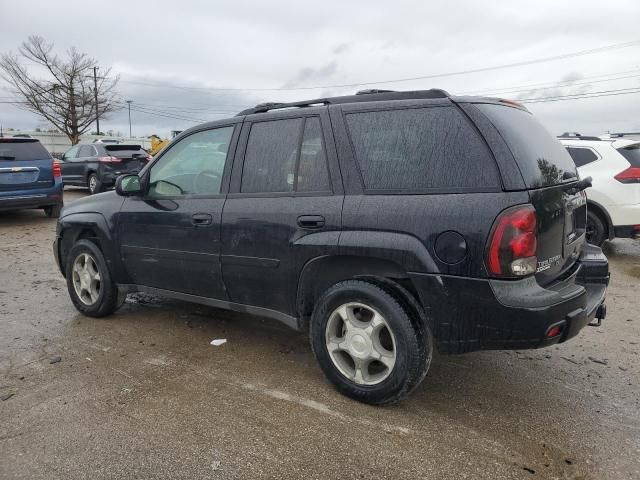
x: 600, y: 314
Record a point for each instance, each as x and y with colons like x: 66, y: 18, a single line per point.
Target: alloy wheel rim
x: 86, y: 279
x: 92, y: 183
x: 360, y: 343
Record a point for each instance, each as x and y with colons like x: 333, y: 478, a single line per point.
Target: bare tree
x: 65, y: 96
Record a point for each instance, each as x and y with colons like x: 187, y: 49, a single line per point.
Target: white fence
x: 58, y: 143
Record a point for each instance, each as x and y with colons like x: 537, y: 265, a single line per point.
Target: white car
x: 613, y: 208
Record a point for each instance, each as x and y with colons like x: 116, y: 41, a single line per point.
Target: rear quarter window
x: 541, y: 158
x: 420, y: 150
x: 23, y: 150
x: 631, y: 154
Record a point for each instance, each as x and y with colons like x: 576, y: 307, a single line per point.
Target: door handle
x: 201, y: 219
x: 311, y: 221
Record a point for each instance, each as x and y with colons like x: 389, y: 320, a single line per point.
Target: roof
x: 361, y: 96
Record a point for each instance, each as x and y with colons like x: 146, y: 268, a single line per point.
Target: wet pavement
x: 143, y: 394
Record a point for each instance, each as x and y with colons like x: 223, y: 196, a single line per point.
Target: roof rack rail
x: 370, y: 95
x: 577, y: 136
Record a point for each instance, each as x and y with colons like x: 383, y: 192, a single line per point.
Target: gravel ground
x: 142, y: 394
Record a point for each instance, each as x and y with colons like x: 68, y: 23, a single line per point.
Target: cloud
x: 310, y: 74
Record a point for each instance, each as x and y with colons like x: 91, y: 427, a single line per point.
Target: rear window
x: 632, y: 154
x: 542, y: 159
x: 421, y: 150
x: 21, y: 150
x: 120, y: 149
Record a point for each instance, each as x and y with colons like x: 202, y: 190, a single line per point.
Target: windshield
x: 21, y: 150
x: 542, y: 159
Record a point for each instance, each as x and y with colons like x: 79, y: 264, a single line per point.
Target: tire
x: 337, y: 345
x: 53, y: 211
x: 596, y: 229
x: 94, y: 184
x: 107, y: 298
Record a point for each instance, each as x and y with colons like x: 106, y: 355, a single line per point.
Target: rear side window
x: 582, y: 156
x: 21, y: 150
x: 421, y: 150
x: 542, y: 159
x: 87, y: 151
x: 285, y: 156
x: 632, y: 154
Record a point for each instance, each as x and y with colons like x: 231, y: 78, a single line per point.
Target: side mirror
x: 128, y: 185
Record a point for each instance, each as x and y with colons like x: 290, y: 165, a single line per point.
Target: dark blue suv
x: 29, y: 176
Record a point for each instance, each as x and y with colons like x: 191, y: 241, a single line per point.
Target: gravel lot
x: 142, y: 394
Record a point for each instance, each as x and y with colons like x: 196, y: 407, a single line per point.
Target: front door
x: 170, y: 236
x: 70, y: 174
x: 285, y: 209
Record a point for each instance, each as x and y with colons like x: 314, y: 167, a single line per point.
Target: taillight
x: 57, y: 172
x: 109, y: 160
x: 630, y: 175
x: 513, y: 243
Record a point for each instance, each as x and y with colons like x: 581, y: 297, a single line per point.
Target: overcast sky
x: 209, y: 45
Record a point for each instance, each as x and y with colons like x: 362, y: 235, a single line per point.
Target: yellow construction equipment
x: 158, y: 143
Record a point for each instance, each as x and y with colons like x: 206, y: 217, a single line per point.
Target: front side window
x: 71, y: 153
x: 420, y: 150
x: 86, y: 151
x: 193, y: 166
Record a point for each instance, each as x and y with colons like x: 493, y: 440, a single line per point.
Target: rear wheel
x: 53, y: 211
x: 596, y: 229
x: 368, y: 343
x: 94, y: 183
x: 89, y: 282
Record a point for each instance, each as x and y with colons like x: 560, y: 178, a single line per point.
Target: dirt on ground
x: 143, y: 393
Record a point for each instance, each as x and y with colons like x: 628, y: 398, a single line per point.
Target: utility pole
x: 95, y: 92
x: 129, y: 105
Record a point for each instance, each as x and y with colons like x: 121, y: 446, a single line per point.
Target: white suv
x: 614, y: 199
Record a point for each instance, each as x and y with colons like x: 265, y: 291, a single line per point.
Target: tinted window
x: 86, y: 151
x: 71, y: 153
x: 194, y: 165
x: 632, y: 154
x: 124, y: 150
x: 582, y: 156
x: 420, y: 149
x: 312, y: 172
x: 271, y: 156
x: 540, y: 156
x: 22, y: 150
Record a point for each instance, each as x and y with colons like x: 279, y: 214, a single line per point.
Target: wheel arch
x: 90, y: 226
x: 603, y: 214
x: 321, y: 273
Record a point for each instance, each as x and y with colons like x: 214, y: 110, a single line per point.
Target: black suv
x: 386, y: 224
x: 96, y: 166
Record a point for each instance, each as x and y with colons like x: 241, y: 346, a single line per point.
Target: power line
x: 407, y: 79
x: 580, y: 96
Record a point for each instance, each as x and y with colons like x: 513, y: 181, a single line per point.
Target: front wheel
x: 369, y: 343
x: 89, y: 282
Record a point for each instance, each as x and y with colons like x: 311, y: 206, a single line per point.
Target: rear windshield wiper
x: 7, y: 157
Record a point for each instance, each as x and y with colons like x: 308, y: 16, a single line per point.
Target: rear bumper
x: 482, y: 314
x: 627, y: 231
x: 109, y: 175
x: 32, y: 198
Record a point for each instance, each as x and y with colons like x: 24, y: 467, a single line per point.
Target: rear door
x: 549, y: 173
x: 284, y: 207
x: 79, y: 166
x: 24, y: 164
